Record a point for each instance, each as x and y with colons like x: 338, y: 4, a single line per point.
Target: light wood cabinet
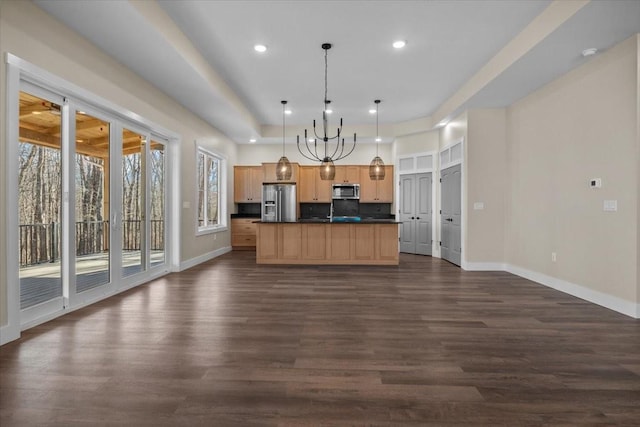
x: 362, y: 241
x: 247, y: 184
x: 269, y: 172
x: 347, y: 174
x: 326, y: 243
x: 290, y: 241
x: 243, y: 233
x: 312, y: 188
x: 338, y: 243
x: 267, y: 241
x: 376, y: 191
x: 386, y: 244
x: 279, y: 242
x: 314, y: 241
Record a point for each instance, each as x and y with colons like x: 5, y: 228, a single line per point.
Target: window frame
x: 222, y: 191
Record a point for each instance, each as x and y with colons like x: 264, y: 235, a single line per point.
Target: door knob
x: 412, y: 218
x: 417, y: 217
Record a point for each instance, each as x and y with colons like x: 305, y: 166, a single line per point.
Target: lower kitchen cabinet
x: 243, y: 233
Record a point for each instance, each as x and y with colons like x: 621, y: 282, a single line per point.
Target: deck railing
x: 40, y: 243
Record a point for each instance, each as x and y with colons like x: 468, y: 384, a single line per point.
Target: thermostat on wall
x: 595, y: 182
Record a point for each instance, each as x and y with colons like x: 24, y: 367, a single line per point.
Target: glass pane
x: 92, y: 202
x: 39, y: 200
x: 133, y: 189
x: 156, y: 210
x: 212, y: 191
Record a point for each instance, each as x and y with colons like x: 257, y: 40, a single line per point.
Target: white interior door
x: 407, y: 213
x: 424, y: 213
x: 451, y: 214
x: 416, y: 213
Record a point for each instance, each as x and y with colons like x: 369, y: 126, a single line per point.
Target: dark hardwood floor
x: 233, y: 343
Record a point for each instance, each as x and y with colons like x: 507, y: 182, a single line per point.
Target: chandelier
x: 325, y: 152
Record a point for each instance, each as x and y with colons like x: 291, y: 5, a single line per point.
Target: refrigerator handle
x: 279, y: 205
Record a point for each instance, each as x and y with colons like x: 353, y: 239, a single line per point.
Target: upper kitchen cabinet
x: 376, y: 191
x: 312, y: 188
x: 347, y: 174
x: 269, y: 170
x: 247, y: 184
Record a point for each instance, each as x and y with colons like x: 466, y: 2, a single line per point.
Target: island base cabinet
x: 387, y: 242
x: 314, y: 241
x: 338, y: 243
x: 290, y: 241
x: 267, y: 241
x: 362, y: 242
x: 318, y: 244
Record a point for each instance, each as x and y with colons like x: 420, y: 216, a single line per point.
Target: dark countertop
x: 326, y: 221
x: 238, y: 215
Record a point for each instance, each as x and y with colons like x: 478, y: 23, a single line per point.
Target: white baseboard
x: 204, y: 258
x: 608, y: 301
x: 483, y: 266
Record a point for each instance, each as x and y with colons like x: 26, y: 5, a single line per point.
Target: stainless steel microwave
x: 346, y: 191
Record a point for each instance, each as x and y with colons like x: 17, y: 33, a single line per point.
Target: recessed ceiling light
x: 399, y: 44
x: 260, y: 48
x: 589, y: 52
x: 252, y: 140
x: 328, y: 111
x: 378, y: 139
x: 287, y: 112
x: 36, y: 112
x: 312, y: 140
x: 372, y: 111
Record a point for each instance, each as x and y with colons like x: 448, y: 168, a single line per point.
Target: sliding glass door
x: 91, y: 194
x: 40, y: 201
x: 92, y: 201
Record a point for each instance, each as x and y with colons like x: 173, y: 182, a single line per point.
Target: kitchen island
x: 372, y: 242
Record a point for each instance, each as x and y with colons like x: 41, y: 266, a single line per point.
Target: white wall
x: 416, y: 143
x: 486, y: 182
x: 583, y: 125
x: 33, y: 35
x: 255, y: 154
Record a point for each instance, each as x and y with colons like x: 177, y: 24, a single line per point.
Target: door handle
x: 417, y: 217
x: 412, y: 217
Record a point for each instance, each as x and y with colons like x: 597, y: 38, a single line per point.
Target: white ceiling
x: 215, y: 72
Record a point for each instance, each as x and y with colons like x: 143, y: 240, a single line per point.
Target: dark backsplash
x: 249, y: 208
x: 314, y: 210
x: 376, y: 210
x: 366, y: 210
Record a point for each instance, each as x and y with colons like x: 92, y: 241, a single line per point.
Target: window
x: 211, y: 208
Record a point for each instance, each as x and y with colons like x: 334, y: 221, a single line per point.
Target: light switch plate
x: 186, y: 205
x: 610, y: 205
x: 478, y: 206
x: 595, y: 183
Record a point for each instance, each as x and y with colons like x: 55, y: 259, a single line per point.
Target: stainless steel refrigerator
x: 279, y: 202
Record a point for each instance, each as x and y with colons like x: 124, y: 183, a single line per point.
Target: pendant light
x: 283, y: 169
x: 376, y: 168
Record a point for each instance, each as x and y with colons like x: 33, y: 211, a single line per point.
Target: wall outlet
x: 478, y: 206
x: 554, y: 257
x: 215, y: 236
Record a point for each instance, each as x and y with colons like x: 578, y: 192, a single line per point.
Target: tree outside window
x: 209, y: 194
